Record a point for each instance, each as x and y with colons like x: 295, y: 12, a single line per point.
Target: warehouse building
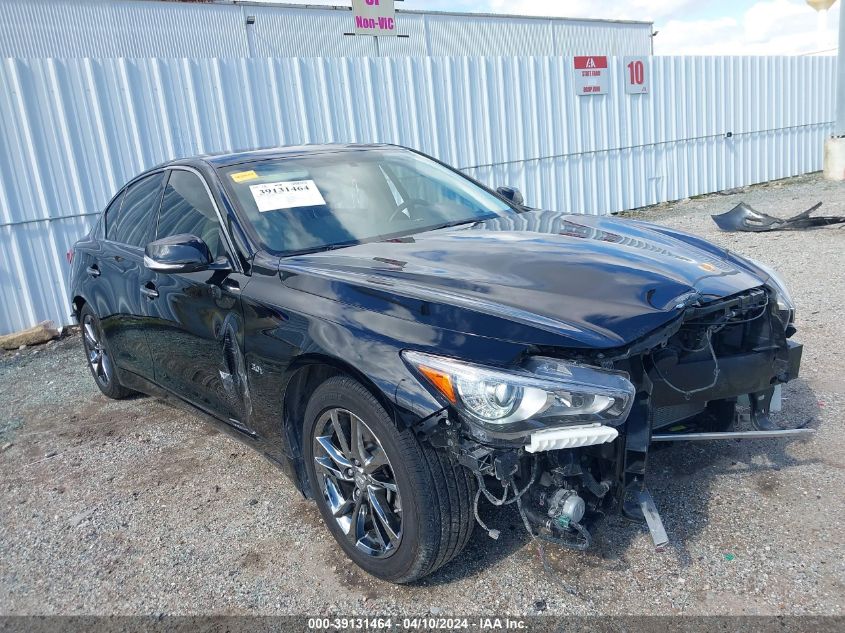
x: 93, y: 92
x: 66, y: 63
x: 156, y: 28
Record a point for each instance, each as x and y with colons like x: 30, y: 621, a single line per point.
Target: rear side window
x: 111, y: 214
x: 187, y: 208
x: 134, y: 223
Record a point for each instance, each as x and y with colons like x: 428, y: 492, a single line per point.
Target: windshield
x: 325, y: 200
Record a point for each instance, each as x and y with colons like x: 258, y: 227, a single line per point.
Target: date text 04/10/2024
x: 417, y: 623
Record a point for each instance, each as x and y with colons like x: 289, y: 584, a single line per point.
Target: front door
x: 118, y: 273
x: 195, y: 329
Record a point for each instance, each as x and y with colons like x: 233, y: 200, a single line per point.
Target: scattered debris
x: 743, y: 217
x: 76, y: 519
x: 49, y: 455
x: 41, y: 333
x: 732, y: 192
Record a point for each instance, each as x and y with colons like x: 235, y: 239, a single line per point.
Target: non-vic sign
x: 374, y: 17
x: 591, y: 75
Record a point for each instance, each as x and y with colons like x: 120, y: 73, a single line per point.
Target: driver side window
x: 187, y: 208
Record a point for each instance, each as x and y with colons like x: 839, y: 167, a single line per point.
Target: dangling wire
x: 482, y: 488
x: 688, y: 393
x: 493, y: 534
x: 504, y: 501
x: 582, y: 545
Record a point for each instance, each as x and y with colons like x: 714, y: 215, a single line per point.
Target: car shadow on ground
x: 680, y: 478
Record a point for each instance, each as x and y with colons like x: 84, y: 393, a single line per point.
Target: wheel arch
x: 77, y: 303
x: 305, y: 374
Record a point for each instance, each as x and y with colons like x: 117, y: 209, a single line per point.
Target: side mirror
x: 177, y: 254
x: 513, y: 194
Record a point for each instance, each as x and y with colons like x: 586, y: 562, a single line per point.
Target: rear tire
x: 423, y: 495
x: 99, y: 357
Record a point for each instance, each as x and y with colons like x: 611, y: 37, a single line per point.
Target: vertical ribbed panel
x: 120, y: 28
x: 300, y: 32
x: 483, y: 36
x: 137, y: 28
x: 574, y: 37
x: 72, y: 131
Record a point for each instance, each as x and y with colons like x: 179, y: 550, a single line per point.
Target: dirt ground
x: 134, y: 507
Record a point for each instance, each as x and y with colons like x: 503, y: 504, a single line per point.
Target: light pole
x: 834, y: 147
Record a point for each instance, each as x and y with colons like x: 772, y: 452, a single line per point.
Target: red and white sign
x: 374, y: 17
x: 592, y: 76
x: 635, y: 71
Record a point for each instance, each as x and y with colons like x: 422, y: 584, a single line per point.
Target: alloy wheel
x: 98, y: 356
x: 358, y: 482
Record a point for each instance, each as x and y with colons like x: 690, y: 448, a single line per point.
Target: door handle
x: 231, y: 285
x: 151, y: 293
x: 93, y: 271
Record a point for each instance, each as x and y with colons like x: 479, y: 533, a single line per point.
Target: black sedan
x: 403, y: 341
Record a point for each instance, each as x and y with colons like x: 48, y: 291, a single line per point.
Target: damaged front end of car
x: 566, y: 436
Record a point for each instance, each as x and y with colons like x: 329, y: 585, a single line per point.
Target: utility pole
x: 834, y: 147
x: 839, y: 128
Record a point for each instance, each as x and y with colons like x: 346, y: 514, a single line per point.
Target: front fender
x: 310, y: 330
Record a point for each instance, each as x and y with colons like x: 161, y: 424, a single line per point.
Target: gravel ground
x: 133, y: 507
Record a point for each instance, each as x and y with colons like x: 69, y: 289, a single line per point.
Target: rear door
x: 195, y: 333
x: 118, y: 272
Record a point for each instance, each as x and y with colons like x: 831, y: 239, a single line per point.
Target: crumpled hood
x: 589, y: 281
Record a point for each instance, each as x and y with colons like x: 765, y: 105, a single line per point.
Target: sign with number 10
x: 635, y: 72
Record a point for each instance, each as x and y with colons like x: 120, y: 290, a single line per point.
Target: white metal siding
x: 572, y: 37
x: 143, y: 28
x: 72, y: 131
x: 484, y: 36
x: 294, y: 32
x: 120, y: 28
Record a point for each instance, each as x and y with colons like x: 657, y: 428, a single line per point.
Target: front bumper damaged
x: 686, y: 390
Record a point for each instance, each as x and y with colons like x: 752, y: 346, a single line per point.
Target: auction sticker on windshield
x: 273, y: 196
x: 243, y: 176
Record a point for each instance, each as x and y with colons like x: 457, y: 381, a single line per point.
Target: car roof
x: 228, y: 159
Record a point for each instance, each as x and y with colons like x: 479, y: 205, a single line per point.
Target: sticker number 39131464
x: 273, y: 196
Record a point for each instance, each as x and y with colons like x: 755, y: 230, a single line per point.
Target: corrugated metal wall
x: 144, y: 28
x: 120, y: 28
x: 72, y: 131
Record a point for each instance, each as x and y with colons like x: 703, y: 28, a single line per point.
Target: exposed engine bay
x: 689, y: 378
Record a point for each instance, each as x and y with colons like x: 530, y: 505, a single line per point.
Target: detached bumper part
x: 571, y: 437
x: 652, y: 519
x: 743, y: 217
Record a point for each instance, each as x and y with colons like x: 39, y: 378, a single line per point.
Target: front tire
x: 99, y: 356
x: 398, y: 508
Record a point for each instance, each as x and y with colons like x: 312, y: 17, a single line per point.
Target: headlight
x: 545, y: 393
x: 784, y: 300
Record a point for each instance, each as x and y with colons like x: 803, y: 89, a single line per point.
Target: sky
x: 685, y: 27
